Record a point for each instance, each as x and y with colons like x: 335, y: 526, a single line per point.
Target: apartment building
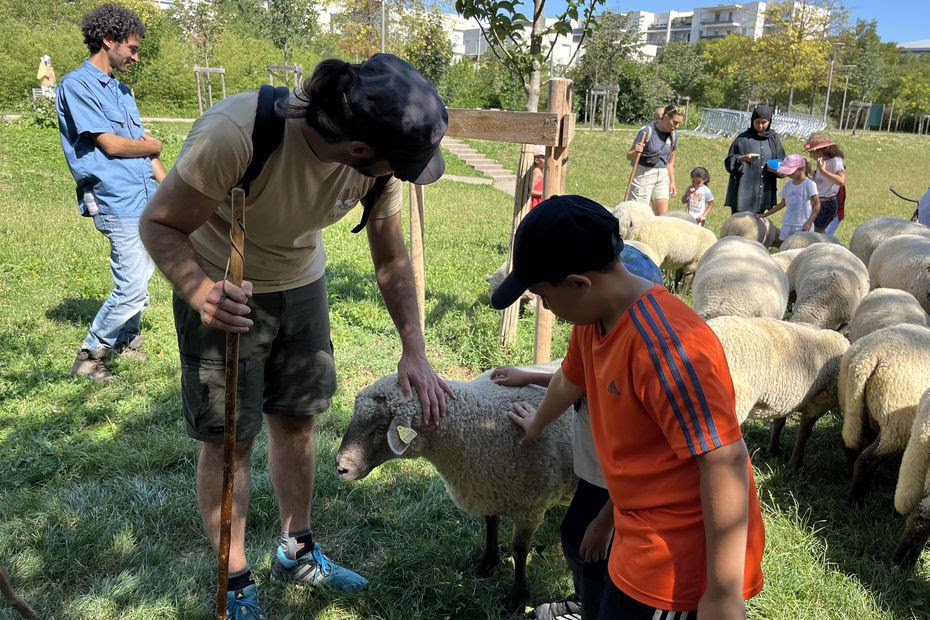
x: 469, y: 42
x: 713, y: 22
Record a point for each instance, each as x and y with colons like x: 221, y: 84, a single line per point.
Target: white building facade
x: 713, y: 22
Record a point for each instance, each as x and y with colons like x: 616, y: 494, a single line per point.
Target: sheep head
x: 382, y: 428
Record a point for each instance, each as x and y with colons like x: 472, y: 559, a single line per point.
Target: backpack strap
x: 267, y: 132
x: 369, y: 200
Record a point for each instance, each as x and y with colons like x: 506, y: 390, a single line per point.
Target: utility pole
x: 826, y: 103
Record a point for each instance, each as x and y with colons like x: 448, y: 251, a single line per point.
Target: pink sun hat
x: 791, y: 163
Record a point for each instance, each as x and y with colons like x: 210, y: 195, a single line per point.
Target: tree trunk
x: 790, y: 98
x: 535, y: 77
x: 532, y: 91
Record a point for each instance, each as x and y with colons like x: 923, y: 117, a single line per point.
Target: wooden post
x: 416, y: 249
x: 560, y: 102
x: 199, y: 99
x: 507, y: 329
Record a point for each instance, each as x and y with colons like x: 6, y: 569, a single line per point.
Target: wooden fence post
x: 560, y: 102
x: 416, y: 249
x: 507, y: 330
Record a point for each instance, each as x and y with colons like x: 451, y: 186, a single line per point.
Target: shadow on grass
x: 75, y: 311
x: 858, y: 540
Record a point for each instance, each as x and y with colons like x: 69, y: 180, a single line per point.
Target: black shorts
x: 827, y: 212
x: 616, y: 605
x: 286, y: 362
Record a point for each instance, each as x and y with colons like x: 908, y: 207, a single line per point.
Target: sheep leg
x: 520, y: 547
x: 808, y: 420
x: 490, y: 557
x: 914, y: 537
x: 866, y: 464
x: 778, y: 424
x: 685, y: 282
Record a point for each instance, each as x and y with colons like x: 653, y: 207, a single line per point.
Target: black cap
x: 561, y: 236
x: 400, y: 115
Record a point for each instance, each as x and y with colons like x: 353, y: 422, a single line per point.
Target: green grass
x: 98, y: 516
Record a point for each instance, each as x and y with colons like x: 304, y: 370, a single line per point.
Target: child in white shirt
x: 799, y: 196
x: 699, y: 198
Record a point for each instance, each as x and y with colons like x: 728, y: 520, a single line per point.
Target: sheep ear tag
x: 406, y: 434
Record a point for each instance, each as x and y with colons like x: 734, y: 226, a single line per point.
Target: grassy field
x: 98, y: 518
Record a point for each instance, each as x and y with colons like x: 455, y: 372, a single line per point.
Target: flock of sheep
x: 856, y: 337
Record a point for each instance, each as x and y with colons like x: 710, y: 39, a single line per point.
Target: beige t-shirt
x: 289, y: 203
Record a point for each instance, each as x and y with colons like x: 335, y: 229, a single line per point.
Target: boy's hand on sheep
x: 523, y: 414
x: 415, y: 370
x: 508, y: 375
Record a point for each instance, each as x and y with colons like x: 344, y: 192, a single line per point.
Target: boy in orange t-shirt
x: 689, y: 535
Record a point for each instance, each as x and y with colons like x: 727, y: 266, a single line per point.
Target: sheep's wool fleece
x: 830, y: 282
x: 678, y: 243
x: 883, y: 375
x: 913, y: 479
x: 903, y: 262
x: 738, y: 277
x: 885, y: 307
x: 869, y: 235
x: 475, y: 448
x: 631, y: 213
x: 778, y: 367
x: 751, y: 227
x: 806, y: 238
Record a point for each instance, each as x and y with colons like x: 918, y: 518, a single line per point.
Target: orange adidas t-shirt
x: 660, y: 393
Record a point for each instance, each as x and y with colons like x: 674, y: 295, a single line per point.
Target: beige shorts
x: 649, y: 184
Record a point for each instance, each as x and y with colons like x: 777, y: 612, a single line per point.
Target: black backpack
x: 267, y: 135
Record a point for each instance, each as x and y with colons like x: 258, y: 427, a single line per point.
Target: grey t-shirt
x: 658, y: 149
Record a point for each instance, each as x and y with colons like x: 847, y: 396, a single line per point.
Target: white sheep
x: 738, y: 277
x: 830, y: 282
x: 885, y: 307
x: 784, y: 258
x: 747, y: 225
x: 870, y: 234
x: 882, y: 377
x: 494, y: 280
x: 807, y: 238
x: 677, y: 243
x: 779, y: 368
x: 903, y: 262
x: 476, y: 450
x: 912, y: 493
x: 631, y: 213
x: 681, y: 215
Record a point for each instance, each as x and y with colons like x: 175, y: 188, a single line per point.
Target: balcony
x: 720, y: 22
x: 681, y: 26
x: 658, y: 27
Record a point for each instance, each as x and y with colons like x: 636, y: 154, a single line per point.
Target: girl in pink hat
x: 799, y: 196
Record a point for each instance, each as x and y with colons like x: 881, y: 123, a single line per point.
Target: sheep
x: 475, y: 448
x: 677, y: 243
x: 631, y: 213
x: 779, y: 368
x: 882, y: 376
x: 884, y: 307
x: 747, y: 225
x: 738, y: 277
x: 681, y: 215
x: 807, y: 238
x: 870, y: 234
x: 903, y: 262
x: 784, y: 258
x: 830, y: 282
x: 912, y: 493
x: 494, y: 280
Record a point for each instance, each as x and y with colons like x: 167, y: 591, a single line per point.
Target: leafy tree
x: 506, y: 35
x: 289, y: 23
x: 612, y: 43
x: 865, y: 52
x: 731, y: 71
x: 681, y: 66
x: 427, y: 46
x: 202, y: 21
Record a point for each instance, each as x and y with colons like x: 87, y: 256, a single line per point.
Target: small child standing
x: 830, y: 178
x: 698, y: 197
x: 539, y: 162
x: 800, y: 196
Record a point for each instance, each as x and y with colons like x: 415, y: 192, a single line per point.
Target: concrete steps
x: 503, y: 179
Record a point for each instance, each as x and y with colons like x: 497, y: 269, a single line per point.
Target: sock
x: 240, y: 580
x: 298, y: 544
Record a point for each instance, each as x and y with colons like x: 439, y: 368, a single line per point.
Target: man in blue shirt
x: 115, y: 165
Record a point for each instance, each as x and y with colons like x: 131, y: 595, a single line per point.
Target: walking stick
x: 234, y: 276
x: 629, y: 183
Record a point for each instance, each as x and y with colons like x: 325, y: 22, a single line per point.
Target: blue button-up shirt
x: 91, y: 102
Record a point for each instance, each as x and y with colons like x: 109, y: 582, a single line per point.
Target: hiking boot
x: 91, y: 364
x: 132, y: 349
x: 315, y: 569
x: 243, y: 604
x: 566, y: 609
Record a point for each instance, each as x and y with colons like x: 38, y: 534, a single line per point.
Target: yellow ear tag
x: 406, y: 434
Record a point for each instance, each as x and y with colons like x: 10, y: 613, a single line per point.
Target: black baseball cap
x: 400, y: 115
x: 561, y: 236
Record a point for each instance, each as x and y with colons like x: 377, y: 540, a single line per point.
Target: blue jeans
x: 117, y: 321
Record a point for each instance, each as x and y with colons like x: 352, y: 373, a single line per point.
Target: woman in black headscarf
x: 752, y: 185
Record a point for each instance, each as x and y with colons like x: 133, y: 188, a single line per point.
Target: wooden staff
x: 629, y: 183
x: 234, y: 276
x: 15, y: 600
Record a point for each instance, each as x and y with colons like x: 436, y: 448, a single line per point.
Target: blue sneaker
x: 243, y: 605
x: 315, y: 569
